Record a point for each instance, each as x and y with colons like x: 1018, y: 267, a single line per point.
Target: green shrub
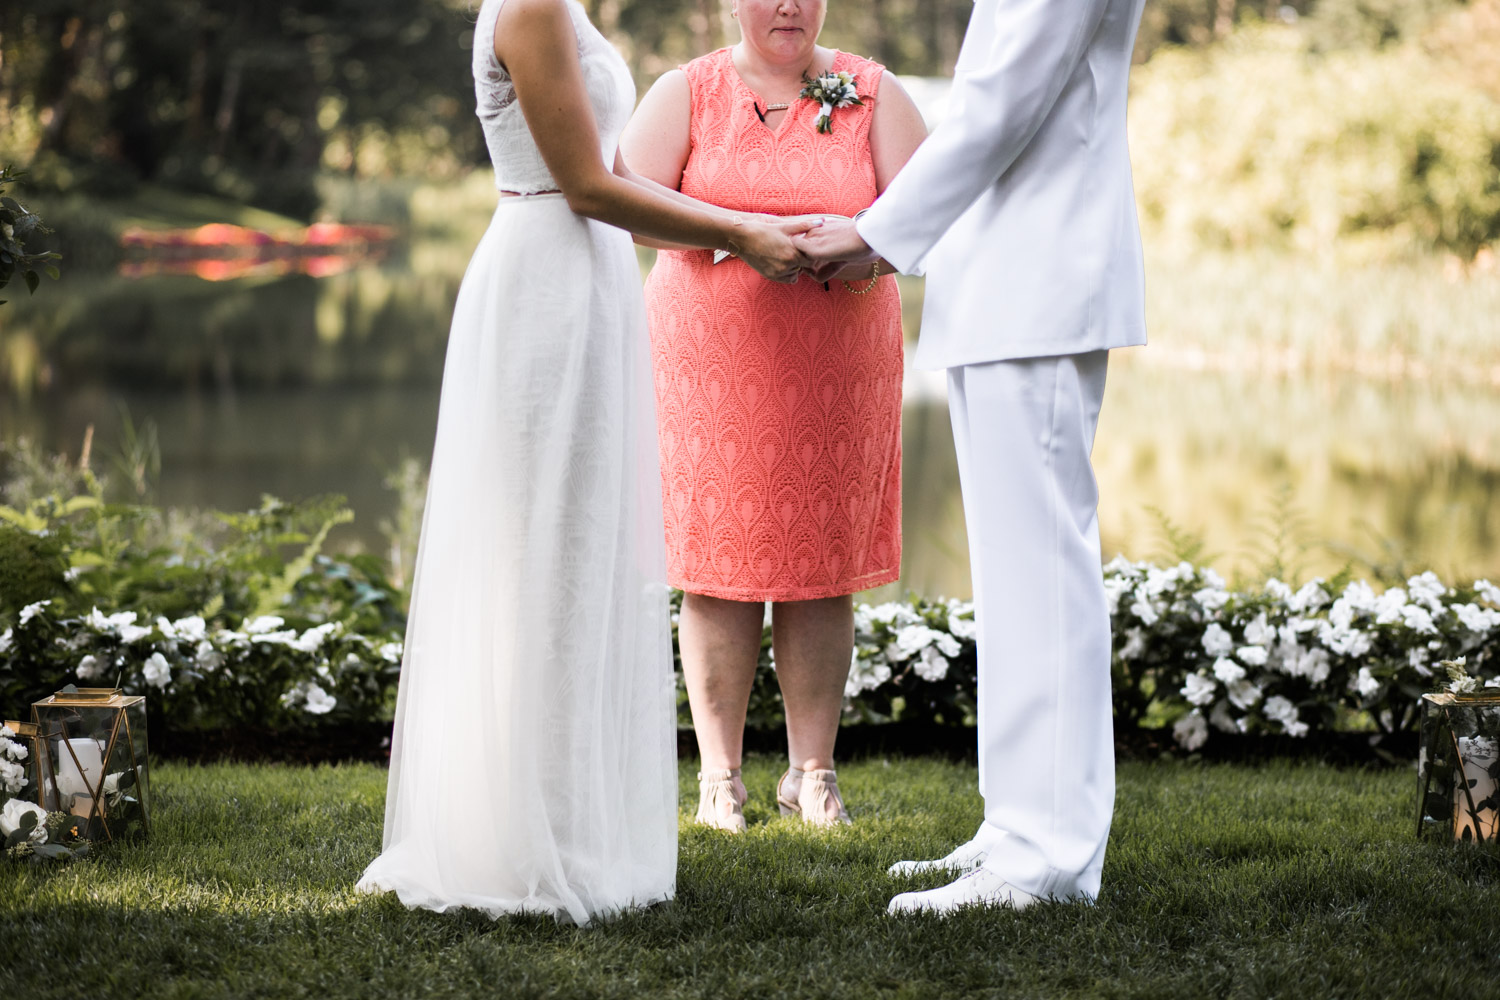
x: 1261, y: 142
x: 31, y: 568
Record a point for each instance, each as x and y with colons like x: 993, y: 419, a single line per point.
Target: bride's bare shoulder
x: 525, y: 24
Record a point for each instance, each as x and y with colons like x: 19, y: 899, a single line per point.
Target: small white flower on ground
x: 1191, y: 731
x: 10, y: 820
x: 1254, y: 656
x: 1244, y: 694
x: 1217, y: 641
x: 89, y: 668
x: 1228, y: 671
x: 31, y: 610
x: 1198, y: 690
x: 1366, y: 684
x: 319, y: 702
x: 157, y: 671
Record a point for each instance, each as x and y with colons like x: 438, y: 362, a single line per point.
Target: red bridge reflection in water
x: 220, y: 251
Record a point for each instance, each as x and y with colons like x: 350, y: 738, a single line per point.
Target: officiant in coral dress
x: 778, y: 406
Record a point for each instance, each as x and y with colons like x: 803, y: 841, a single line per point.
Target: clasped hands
x: 783, y: 249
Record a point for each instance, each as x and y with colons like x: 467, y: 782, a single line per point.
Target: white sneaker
x: 981, y: 887
x: 964, y: 858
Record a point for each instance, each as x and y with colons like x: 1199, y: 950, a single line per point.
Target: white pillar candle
x: 78, y: 772
x: 1479, y: 756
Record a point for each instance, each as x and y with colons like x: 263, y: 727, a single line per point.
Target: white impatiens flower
x: 1488, y: 592
x: 963, y: 628
x: 1191, y: 731
x: 1198, y: 690
x: 1310, y: 597
x: 1114, y: 588
x: 89, y: 668
x: 1135, y: 644
x: 1417, y: 659
x: 1211, y: 599
x: 1221, y: 720
x: 318, y: 701
x: 1279, y: 709
x: 312, y: 639
x: 261, y: 625
x: 31, y: 611
x: 190, y: 629
x: 1418, y: 619
x: 72, y: 573
x: 1428, y: 590
x: 1244, y: 694
x: 1314, y: 664
x: 1259, y: 632
x: 1254, y: 656
x: 390, y: 652
x: 914, y: 638
x: 157, y: 671
x: 11, y: 816
x: 5, y: 642
x: 1389, y: 606
x: 1217, y: 641
x: 207, y: 658
x: 865, y: 674
x: 12, y: 777
x: 1227, y: 671
x: 1476, y: 619
x: 108, y: 624
x: 932, y: 665
x: 1278, y: 591
x: 1366, y: 684
x: 134, y: 633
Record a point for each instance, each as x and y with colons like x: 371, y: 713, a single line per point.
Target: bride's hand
x: 768, y: 247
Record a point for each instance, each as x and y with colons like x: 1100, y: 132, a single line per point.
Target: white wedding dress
x: 533, y: 763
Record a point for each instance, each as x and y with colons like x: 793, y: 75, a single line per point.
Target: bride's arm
x: 536, y: 43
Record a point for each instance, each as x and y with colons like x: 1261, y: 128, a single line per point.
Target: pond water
x: 297, y: 385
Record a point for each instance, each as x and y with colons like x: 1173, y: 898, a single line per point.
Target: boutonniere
x: 832, y: 90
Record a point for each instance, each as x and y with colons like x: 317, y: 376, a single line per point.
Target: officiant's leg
x: 1023, y: 431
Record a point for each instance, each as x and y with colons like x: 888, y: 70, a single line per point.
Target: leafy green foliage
x: 18, y: 225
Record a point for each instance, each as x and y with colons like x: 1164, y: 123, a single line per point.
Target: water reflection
x: 298, y: 385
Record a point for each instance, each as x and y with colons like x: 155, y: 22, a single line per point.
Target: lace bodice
x: 517, y: 161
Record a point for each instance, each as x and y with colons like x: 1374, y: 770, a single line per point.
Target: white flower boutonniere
x: 832, y: 90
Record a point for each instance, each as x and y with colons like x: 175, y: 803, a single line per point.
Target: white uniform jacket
x: 1019, y: 207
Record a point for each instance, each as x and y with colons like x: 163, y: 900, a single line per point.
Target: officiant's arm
x: 1036, y: 47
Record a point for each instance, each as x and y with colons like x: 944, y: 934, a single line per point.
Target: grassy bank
x: 1222, y: 881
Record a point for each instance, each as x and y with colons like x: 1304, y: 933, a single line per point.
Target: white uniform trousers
x: 1023, y: 430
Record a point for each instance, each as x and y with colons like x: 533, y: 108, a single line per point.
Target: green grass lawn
x: 1222, y: 881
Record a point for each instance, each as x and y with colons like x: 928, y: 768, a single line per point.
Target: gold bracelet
x: 874, y: 278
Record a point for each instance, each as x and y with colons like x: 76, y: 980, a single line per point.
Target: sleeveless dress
x: 533, y: 760
x: 778, y: 406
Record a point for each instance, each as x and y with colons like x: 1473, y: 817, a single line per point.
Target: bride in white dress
x: 533, y: 762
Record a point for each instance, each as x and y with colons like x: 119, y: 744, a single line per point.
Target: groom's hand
x: 833, y: 246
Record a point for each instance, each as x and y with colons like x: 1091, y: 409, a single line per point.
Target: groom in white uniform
x: 1019, y: 208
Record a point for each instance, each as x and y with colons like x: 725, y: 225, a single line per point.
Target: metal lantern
x: 1458, y: 773
x: 39, y: 787
x: 96, y: 741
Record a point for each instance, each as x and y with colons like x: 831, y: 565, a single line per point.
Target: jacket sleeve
x: 1037, y: 45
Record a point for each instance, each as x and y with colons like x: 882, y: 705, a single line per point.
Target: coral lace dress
x: 778, y: 406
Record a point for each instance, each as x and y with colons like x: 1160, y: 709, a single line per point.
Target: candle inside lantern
x: 78, y: 771
x: 1479, y: 755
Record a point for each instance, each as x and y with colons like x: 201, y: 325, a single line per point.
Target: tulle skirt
x: 533, y: 764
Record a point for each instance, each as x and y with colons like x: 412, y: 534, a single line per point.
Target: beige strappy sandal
x: 810, y: 797
x: 718, y: 806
